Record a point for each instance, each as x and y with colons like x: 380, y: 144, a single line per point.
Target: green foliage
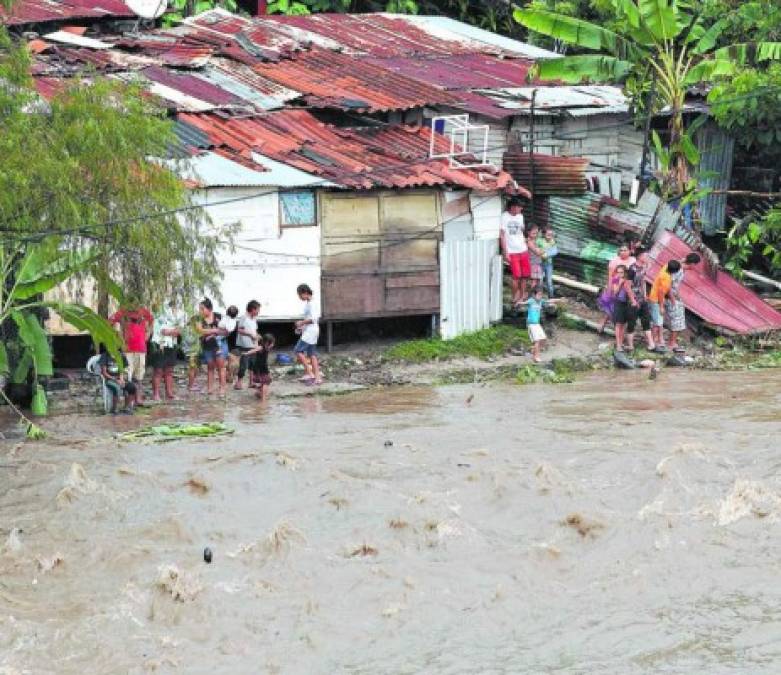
x: 81, y: 174
x: 749, y: 107
x: 559, y: 372
x: 757, y: 242
x: 482, y: 344
x: 179, y: 8
x: 664, y: 42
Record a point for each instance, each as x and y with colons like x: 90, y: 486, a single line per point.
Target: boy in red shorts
x: 514, y: 249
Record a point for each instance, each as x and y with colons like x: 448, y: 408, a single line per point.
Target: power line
x: 90, y: 230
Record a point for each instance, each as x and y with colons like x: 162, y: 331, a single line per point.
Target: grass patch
x: 559, y: 372
x: 482, y: 344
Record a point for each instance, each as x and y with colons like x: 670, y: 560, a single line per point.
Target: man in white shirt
x: 513, y: 242
x: 246, y: 338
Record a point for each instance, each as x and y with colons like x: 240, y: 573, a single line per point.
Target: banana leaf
x: 574, y: 31
x: 709, y: 38
x: 585, y: 67
x: 22, y: 368
x: 750, y: 52
x: 45, y: 266
x: 35, y: 340
x: 85, y: 319
x: 173, y: 431
x: 661, y: 18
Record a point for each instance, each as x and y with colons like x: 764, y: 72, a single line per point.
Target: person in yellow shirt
x: 661, y: 290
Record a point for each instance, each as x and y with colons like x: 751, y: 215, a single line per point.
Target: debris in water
x: 182, y: 586
x: 170, y: 432
x: 583, y: 526
x: 284, y: 459
x: 14, y: 543
x: 339, y: 503
x: 749, y: 498
x: 464, y: 465
x: 207, y: 555
x: 197, y: 486
x: 655, y: 370
x: 48, y: 564
x: 398, y: 524
x: 393, y: 609
x: 364, y: 550
x: 548, y: 477
x: 470, y: 399
x: 388, y: 444
x: 548, y: 550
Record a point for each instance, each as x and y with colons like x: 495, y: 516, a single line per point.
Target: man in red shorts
x: 513, y: 242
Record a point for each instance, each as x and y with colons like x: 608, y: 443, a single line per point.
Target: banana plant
x: 27, y: 271
x: 660, y: 40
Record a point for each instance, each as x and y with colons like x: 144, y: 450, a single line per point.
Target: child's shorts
x: 536, y: 332
x: 194, y: 360
x: 656, y: 314
x: 305, y: 348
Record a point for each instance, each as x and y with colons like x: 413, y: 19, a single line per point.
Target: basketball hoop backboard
x: 466, y: 141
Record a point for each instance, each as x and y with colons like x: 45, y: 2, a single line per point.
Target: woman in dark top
x: 208, y: 329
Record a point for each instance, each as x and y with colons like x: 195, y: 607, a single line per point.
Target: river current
x: 616, y: 525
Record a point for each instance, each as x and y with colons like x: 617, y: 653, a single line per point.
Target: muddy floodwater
x: 616, y: 525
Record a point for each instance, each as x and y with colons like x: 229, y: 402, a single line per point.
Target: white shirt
x: 228, y: 324
x: 311, y: 332
x: 514, y: 238
x: 250, y: 325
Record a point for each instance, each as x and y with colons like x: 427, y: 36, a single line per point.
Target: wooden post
x: 531, y: 159
x: 329, y: 336
x: 433, y: 325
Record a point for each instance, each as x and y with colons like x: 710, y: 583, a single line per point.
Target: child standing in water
x: 260, y: 367
x: 306, y: 348
x: 535, y: 305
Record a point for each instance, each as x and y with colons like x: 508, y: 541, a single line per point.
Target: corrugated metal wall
x: 471, y: 286
x: 716, y: 155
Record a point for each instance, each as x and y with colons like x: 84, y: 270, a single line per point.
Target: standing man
x: 657, y: 299
x: 166, y: 330
x: 246, y: 338
x: 642, y: 311
x: 676, y: 311
x: 136, y: 327
x: 513, y: 243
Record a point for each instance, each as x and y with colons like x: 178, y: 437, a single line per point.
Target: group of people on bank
x: 625, y: 299
x: 230, y: 346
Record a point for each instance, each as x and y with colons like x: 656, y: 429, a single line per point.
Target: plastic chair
x: 102, y: 391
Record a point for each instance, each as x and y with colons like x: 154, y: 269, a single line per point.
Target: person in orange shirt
x: 661, y: 290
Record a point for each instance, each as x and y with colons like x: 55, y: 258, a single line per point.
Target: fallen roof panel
x: 718, y: 300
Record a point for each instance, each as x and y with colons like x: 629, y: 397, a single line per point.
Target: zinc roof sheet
x: 209, y: 169
x: 445, y: 27
x: 385, y: 157
x: 592, y: 99
x: 42, y: 11
x: 332, y: 80
x: 720, y: 300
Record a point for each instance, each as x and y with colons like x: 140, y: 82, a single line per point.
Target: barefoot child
x: 260, y: 365
x: 114, y: 376
x: 306, y: 348
x: 537, y: 335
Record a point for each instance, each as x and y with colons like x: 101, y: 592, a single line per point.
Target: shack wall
x: 380, y: 253
x: 269, y: 261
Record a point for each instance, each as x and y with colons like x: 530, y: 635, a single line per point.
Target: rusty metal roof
x: 364, y: 158
x: 42, y: 11
x: 333, y: 80
x: 719, y: 300
x: 552, y: 175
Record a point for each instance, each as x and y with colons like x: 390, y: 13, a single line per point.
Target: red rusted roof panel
x: 40, y: 11
x: 552, y: 175
x: 333, y: 80
x: 364, y: 158
x: 720, y: 301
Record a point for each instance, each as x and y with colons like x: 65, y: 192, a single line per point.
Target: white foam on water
x: 749, y: 498
x: 181, y: 585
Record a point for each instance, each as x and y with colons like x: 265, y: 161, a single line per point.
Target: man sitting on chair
x: 114, y: 376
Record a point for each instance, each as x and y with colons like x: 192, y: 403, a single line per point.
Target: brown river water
x: 616, y: 525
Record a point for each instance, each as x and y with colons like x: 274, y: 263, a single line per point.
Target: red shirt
x: 134, y: 328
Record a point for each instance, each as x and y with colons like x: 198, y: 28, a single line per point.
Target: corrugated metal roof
x: 333, y: 80
x: 720, y: 301
x: 365, y: 158
x: 459, y: 71
x: 68, y: 38
x: 42, y: 11
x: 445, y: 27
x: 226, y: 82
x: 552, y: 175
x: 209, y: 169
x: 192, y: 86
x: 717, y: 151
x: 284, y: 176
x: 590, y: 99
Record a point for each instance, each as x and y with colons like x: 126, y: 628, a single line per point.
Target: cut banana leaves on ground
x: 161, y: 433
